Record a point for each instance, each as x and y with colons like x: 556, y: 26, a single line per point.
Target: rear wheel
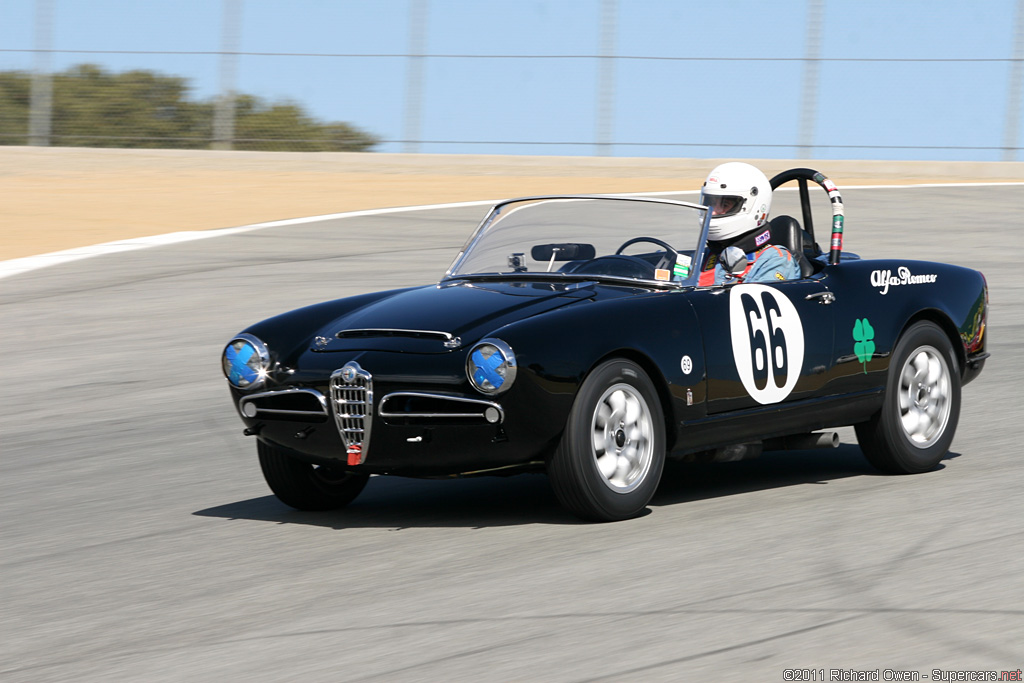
x: 307, y: 487
x: 612, y: 452
x: 915, y: 427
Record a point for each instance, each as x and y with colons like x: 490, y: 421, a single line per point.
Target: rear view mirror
x: 570, y: 251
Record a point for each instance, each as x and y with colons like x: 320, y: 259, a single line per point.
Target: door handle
x: 823, y: 298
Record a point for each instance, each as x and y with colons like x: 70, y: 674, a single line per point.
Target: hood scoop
x: 448, y: 340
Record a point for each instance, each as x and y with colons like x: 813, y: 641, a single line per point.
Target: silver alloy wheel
x: 623, y: 438
x: 924, y: 396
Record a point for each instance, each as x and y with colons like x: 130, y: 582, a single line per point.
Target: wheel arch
x: 944, y: 323
x: 643, y: 336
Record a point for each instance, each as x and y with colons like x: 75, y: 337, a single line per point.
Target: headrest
x: 786, y: 232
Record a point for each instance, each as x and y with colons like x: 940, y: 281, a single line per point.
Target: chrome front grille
x: 352, y: 403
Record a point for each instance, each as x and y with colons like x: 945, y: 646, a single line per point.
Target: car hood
x: 445, y: 317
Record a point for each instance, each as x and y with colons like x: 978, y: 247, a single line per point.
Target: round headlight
x: 246, y: 361
x: 491, y: 366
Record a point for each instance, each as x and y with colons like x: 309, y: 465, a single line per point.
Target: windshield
x: 628, y: 238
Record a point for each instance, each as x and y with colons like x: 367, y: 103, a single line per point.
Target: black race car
x: 572, y: 335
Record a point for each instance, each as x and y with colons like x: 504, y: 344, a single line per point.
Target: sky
x: 740, y: 97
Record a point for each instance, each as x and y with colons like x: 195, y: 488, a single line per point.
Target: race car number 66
x: 767, y: 341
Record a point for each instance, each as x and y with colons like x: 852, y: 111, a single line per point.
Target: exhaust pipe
x: 803, y: 442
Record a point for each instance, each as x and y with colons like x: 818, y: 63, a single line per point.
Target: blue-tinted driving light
x: 246, y: 362
x: 491, y: 366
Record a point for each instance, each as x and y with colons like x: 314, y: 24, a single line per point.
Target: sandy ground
x: 60, y: 198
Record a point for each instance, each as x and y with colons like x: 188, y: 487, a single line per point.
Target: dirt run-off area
x: 61, y: 198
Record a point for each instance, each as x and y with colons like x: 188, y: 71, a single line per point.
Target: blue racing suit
x: 771, y: 264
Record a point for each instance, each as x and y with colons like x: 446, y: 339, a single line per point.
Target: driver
x: 740, y: 197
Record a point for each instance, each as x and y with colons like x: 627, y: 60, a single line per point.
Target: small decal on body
x: 763, y: 237
x: 864, y: 346
x: 686, y: 364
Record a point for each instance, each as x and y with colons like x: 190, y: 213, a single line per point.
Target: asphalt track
x: 139, y: 541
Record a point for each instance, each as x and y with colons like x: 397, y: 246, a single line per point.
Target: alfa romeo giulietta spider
x: 572, y: 335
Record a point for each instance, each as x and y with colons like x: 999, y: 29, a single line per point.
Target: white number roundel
x: 767, y: 341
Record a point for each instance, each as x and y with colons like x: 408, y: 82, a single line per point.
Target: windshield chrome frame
x: 495, y: 211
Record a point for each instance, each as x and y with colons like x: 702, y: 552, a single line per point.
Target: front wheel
x: 914, y: 429
x: 612, y: 452
x: 307, y: 487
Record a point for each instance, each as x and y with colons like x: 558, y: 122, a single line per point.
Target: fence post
x: 1013, y: 88
x: 40, y: 119
x: 606, y: 79
x: 224, y: 112
x: 414, y: 77
x: 809, y: 99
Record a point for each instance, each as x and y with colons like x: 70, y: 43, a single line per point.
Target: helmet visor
x: 722, y: 205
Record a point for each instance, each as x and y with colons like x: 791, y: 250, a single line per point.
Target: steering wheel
x: 619, y: 265
x: 626, y: 265
x: 653, y: 240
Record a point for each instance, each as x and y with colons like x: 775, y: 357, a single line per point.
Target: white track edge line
x: 30, y: 263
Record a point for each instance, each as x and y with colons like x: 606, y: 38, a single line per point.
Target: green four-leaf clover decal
x: 863, y: 335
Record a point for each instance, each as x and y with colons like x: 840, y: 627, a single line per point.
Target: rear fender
x: 895, y: 294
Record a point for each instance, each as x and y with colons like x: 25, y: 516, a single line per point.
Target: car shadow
x: 399, y: 503
x: 684, y: 482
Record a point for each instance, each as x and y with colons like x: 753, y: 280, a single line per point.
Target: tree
x: 95, y: 108
x: 14, y: 107
x: 284, y: 125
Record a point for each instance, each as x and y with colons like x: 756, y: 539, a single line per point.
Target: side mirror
x: 734, y: 260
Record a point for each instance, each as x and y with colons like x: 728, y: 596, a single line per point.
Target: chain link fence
x: 524, y: 103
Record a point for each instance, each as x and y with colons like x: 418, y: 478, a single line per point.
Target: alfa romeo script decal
x: 883, y: 279
x: 767, y: 341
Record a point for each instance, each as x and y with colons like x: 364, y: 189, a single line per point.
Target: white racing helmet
x: 739, y: 197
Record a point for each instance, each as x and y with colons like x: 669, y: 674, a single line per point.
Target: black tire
x: 600, y: 472
x: 915, y: 426
x: 307, y: 487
